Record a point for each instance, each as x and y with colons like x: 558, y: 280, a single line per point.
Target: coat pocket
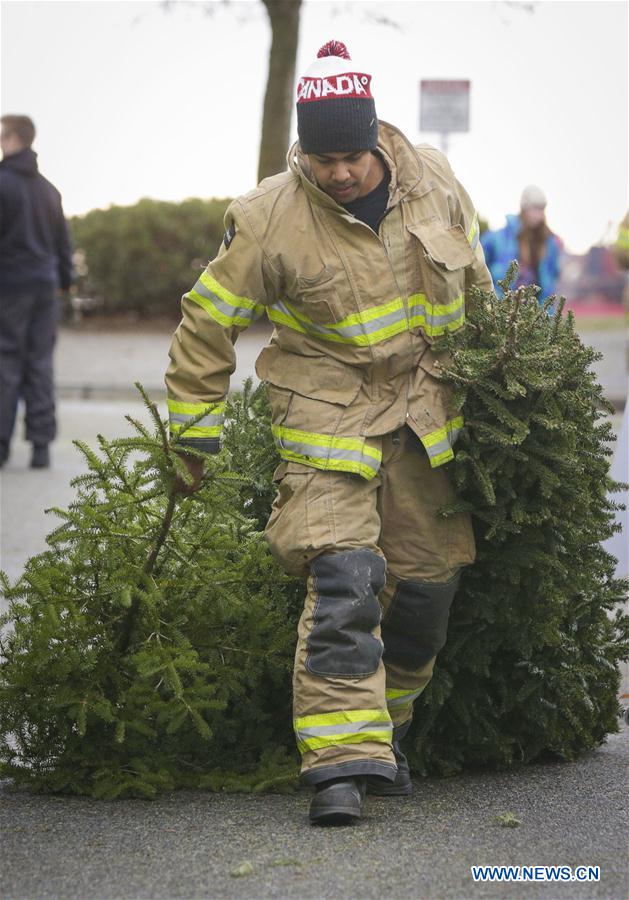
x: 309, y: 399
x: 445, y: 248
x: 307, y: 394
x: 443, y: 254
x: 317, y: 377
x: 316, y: 298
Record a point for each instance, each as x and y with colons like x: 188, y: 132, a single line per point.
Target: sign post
x: 444, y: 108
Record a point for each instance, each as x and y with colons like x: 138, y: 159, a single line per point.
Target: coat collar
x: 398, y: 153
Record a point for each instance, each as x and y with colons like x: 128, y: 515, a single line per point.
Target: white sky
x: 131, y: 100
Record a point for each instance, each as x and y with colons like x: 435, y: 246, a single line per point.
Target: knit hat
x: 532, y: 196
x: 335, y: 110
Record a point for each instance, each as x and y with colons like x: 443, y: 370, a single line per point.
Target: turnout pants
x: 382, y: 571
x: 28, y: 327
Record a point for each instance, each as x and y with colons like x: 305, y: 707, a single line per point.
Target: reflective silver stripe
x: 205, y: 422
x: 446, y: 444
x: 405, y: 699
x: 474, y: 232
x: 376, y: 324
x: 441, y: 321
x: 367, y: 328
x: 329, y: 453
x: 227, y: 309
x: 348, y: 728
x: 421, y: 311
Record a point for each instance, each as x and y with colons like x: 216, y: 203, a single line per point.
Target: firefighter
x: 361, y: 255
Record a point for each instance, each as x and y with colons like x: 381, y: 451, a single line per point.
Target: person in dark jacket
x: 35, y: 263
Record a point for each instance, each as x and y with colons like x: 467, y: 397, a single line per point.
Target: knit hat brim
x: 338, y: 125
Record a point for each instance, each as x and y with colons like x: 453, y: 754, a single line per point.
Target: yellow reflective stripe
x: 356, y: 329
x: 326, y: 440
x: 322, y: 451
x: 438, y: 443
x: 194, y: 409
x: 622, y: 241
x: 221, y: 305
x: 401, y: 699
x: 342, y: 717
x: 436, y: 318
x: 227, y: 296
x: 216, y: 314
x: 374, y: 337
x: 280, y: 318
x: 352, y: 726
x: 437, y: 309
x: 196, y: 430
x: 472, y: 235
x: 419, y: 321
x: 440, y: 458
x: 441, y: 434
x: 318, y: 462
x: 374, y: 312
x: 319, y: 743
x: 383, y: 334
x: 393, y: 693
x: 209, y: 418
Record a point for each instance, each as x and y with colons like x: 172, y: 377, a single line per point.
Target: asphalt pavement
x: 201, y: 845
x: 192, y: 844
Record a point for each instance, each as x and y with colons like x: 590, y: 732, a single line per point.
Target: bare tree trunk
x: 279, y: 99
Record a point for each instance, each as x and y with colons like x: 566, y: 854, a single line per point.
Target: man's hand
x: 195, y: 467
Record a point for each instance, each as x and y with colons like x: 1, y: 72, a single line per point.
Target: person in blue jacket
x: 528, y: 239
x: 35, y: 262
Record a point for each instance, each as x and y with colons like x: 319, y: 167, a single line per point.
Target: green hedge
x: 142, y: 258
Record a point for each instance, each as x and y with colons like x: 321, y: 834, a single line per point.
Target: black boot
x: 4, y: 453
x: 401, y: 787
x: 338, y: 802
x: 41, y: 457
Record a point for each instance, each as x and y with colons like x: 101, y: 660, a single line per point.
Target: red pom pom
x: 334, y: 48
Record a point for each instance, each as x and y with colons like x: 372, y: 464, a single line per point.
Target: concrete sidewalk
x: 105, y: 365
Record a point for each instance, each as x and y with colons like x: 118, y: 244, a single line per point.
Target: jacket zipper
x: 384, y: 247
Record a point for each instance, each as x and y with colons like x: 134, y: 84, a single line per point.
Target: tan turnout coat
x: 354, y: 312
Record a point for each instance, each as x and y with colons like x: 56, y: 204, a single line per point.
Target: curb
x: 108, y: 392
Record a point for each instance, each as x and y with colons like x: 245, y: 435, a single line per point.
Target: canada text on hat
x: 330, y: 77
x: 336, y: 111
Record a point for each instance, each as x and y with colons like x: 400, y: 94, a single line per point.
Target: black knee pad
x: 415, y: 627
x: 347, y: 610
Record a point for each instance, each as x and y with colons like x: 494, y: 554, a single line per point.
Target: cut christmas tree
x: 151, y: 645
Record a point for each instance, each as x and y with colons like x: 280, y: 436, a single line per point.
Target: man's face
x: 9, y: 142
x: 346, y: 176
